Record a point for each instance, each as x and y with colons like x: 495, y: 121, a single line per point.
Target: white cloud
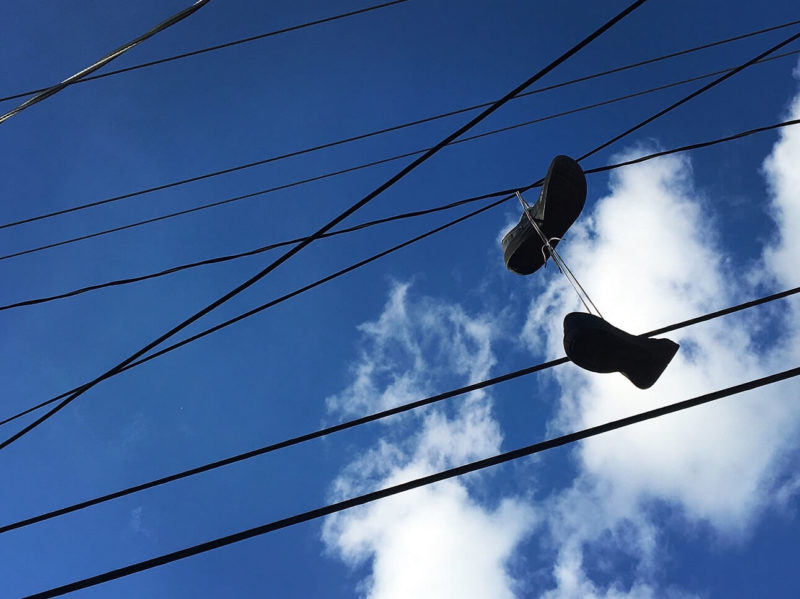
x: 136, y: 519
x: 648, y: 256
x: 433, y: 542
x: 783, y: 176
x: 137, y: 525
x: 436, y: 541
x: 393, y: 367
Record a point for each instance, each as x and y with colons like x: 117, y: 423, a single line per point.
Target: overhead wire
x: 330, y: 224
x: 54, y: 89
x: 252, y: 38
x: 386, y: 130
x: 694, y: 146
x: 417, y: 483
x: 228, y: 201
x: 304, y: 438
x: 507, y: 194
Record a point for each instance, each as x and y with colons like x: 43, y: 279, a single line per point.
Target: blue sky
x: 699, y: 505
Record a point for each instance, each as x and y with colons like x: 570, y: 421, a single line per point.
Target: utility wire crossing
x: 396, y: 217
x: 341, y: 506
x: 227, y: 201
x: 508, y: 194
x: 47, y: 92
x: 389, y: 129
x: 252, y: 39
x: 328, y: 226
x: 370, y: 418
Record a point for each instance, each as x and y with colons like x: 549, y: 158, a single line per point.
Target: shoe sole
x: 563, y: 196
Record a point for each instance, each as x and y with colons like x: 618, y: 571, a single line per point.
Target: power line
x: 325, y: 228
x: 475, y: 466
x: 227, y: 201
x: 52, y: 90
x: 508, y: 194
x: 370, y: 418
x: 259, y: 37
x: 387, y: 130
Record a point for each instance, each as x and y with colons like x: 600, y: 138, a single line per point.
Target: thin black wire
x: 54, y: 89
x: 495, y: 460
x: 254, y: 38
x: 252, y: 252
x: 508, y: 194
x: 358, y: 167
x: 371, y: 418
x: 325, y: 228
x: 693, y: 95
x: 371, y: 223
x: 696, y: 146
x: 388, y: 129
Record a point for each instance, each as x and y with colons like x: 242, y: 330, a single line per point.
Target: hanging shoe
x: 560, y: 202
x: 593, y: 344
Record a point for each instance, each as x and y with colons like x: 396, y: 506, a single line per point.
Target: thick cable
x: 54, y: 89
x: 693, y: 95
x: 266, y: 35
x: 358, y: 167
x: 366, y: 498
x: 332, y: 223
x: 695, y: 146
x: 390, y: 129
x: 370, y: 418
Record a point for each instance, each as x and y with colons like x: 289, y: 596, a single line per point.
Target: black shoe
x: 593, y: 344
x: 560, y: 202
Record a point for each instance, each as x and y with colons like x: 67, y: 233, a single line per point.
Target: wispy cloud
x: 437, y: 541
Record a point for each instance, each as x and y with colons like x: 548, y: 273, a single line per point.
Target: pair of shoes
x: 590, y: 342
x: 560, y: 202
x: 594, y: 344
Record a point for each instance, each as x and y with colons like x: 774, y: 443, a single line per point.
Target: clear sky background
x: 702, y: 504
